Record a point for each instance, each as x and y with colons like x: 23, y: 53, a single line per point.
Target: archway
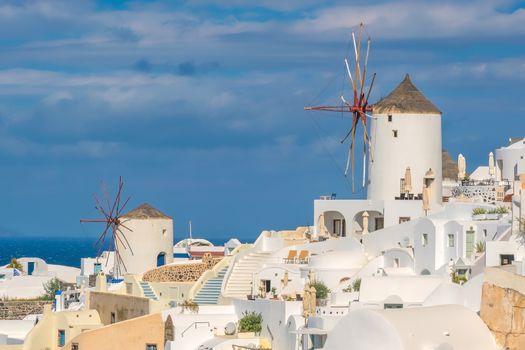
x: 335, y: 223
x: 161, y: 259
x: 375, y: 222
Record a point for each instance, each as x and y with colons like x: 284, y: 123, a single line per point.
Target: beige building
x: 141, y: 333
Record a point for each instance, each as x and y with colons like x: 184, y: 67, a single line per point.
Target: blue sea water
x: 54, y: 250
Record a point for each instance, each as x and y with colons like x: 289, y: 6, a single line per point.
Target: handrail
x: 194, y: 324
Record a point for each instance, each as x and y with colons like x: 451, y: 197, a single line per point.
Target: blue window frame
x: 61, y: 337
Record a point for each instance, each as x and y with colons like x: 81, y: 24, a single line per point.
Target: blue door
x: 61, y: 337
x: 30, y: 267
x: 161, y: 259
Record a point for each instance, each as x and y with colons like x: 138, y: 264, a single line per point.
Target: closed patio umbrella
x: 426, y: 199
x: 306, y: 301
x: 313, y: 300
x: 408, y: 180
x: 491, y: 164
x: 365, y: 223
x: 462, y: 167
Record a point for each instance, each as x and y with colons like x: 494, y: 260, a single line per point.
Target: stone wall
x: 181, y: 272
x: 18, y: 309
x: 503, y: 310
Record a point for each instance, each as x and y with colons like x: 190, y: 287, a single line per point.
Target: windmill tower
x: 405, y: 132
x: 151, y: 236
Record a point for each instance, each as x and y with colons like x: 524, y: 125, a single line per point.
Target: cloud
x: 419, y: 19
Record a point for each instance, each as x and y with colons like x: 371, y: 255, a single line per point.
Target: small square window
x: 390, y: 117
x: 151, y: 346
x: 394, y: 132
x: 451, y: 240
x: 424, y: 239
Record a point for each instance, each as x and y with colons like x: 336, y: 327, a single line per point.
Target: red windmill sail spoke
x: 359, y: 107
x: 111, y: 217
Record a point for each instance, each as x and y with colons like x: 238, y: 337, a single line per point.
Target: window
x: 61, y: 337
x: 424, y: 239
x: 403, y: 219
x: 97, y: 267
x: 393, y: 306
x: 506, y: 259
x: 74, y: 346
x: 336, y: 227
x: 485, y: 232
x: 151, y: 346
x: 396, y: 262
x: 113, y: 318
x: 390, y: 117
x: 394, y: 132
x: 451, y: 240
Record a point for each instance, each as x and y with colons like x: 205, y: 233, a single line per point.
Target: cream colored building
x: 55, y: 329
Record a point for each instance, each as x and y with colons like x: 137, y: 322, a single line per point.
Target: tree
x: 51, y: 287
x: 15, y: 264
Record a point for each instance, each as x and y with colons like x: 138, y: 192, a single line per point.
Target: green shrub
x: 51, y: 287
x: 321, y: 290
x: 356, y: 285
x: 189, y: 305
x: 479, y: 211
x: 480, y: 247
x: 503, y: 210
x: 250, y: 322
x: 493, y: 211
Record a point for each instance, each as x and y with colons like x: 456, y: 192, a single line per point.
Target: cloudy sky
x: 199, y: 105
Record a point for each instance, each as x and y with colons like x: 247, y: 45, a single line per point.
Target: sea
x: 54, y: 250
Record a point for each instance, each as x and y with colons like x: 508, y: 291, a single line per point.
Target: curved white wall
x: 148, y: 238
x: 417, y: 145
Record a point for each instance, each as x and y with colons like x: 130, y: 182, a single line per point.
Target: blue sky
x: 198, y: 105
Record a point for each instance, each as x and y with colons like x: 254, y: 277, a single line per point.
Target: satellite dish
x: 230, y: 328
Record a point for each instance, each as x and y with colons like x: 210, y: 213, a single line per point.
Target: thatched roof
x: 449, y: 166
x: 145, y: 211
x: 406, y: 98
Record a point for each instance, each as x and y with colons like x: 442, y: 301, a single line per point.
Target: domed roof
x: 146, y: 211
x: 406, y: 98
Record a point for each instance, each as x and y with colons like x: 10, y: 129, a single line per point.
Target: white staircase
x: 239, y: 282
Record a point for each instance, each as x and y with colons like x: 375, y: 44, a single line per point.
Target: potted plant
x: 321, y: 292
x: 479, y: 213
x: 250, y: 324
x: 274, y: 293
x: 492, y: 214
x: 480, y: 248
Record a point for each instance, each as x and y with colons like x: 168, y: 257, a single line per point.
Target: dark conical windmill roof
x: 146, y: 211
x: 406, y: 98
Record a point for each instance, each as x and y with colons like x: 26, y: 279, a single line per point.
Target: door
x: 30, y: 267
x: 161, y: 259
x: 469, y: 245
x: 380, y: 223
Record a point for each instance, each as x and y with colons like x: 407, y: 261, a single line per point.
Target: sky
x: 198, y: 104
